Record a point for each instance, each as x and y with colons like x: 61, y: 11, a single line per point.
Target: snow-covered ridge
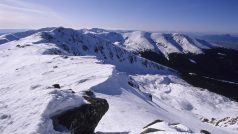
x: 71, y: 42
x: 68, y: 41
x: 165, y: 43
x: 135, y: 41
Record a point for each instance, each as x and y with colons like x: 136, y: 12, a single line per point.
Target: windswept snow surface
x: 28, y: 99
x: 31, y: 65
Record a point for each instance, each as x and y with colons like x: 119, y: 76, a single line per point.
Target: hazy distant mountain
x: 18, y: 35
x: 223, y: 40
x: 5, y: 31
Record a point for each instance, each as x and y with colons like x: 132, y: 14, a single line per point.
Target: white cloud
x: 23, y: 14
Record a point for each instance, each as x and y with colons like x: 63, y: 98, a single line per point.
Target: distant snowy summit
x: 165, y: 43
x: 135, y: 41
x: 138, y: 41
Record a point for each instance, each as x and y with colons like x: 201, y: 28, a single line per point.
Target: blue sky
x: 152, y: 15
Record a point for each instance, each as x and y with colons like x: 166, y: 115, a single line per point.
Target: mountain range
x: 153, y: 82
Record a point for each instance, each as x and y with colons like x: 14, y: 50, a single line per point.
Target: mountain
x: 201, y: 63
x: 137, y: 41
x: 7, y: 31
x: 17, y: 35
x: 47, y: 74
x: 222, y: 40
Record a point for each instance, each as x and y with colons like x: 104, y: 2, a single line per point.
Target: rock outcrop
x: 223, y: 122
x: 160, y: 125
x: 81, y: 120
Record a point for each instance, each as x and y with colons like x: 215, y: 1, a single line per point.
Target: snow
x: 186, y: 43
x: 182, y: 96
x: 221, y: 54
x: 139, y: 41
x: 192, y: 61
x: 225, y: 81
x: 75, y: 43
x: 15, y: 36
x: 166, y: 44
x: 169, y: 91
x: 29, y: 68
x: 170, y: 128
x: 135, y: 41
x: 130, y: 110
x: 27, y: 96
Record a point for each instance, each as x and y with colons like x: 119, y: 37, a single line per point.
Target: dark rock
x: 19, y: 46
x: 65, y: 47
x: 152, y: 123
x: 53, y: 51
x: 96, y: 50
x: 133, y: 83
x: 89, y: 93
x: 56, y: 86
x: 23, y: 46
x: 233, y: 121
x: 55, y: 66
x: 150, y: 130
x: 227, y: 121
x: 34, y: 86
x: 27, y: 45
x: 84, y: 119
x: 65, y: 57
x: 112, y: 132
x: 85, y: 48
x: 148, y: 95
x: 71, y: 90
x: 173, y: 124
x: 205, y: 120
x: 204, y: 132
x: 4, y: 116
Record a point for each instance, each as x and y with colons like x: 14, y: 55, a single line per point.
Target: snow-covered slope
x: 18, y: 35
x: 139, y: 41
x: 28, y: 99
x: 31, y: 65
x: 72, y: 42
